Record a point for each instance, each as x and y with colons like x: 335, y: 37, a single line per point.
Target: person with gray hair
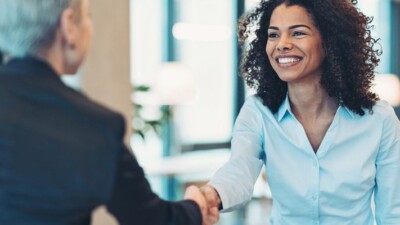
x: 29, y: 27
x: 61, y: 154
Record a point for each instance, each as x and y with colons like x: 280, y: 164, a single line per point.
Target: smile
x: 288, y: 61
x: 285, y: 60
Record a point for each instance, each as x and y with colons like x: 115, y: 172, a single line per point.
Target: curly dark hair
x: 348, y: 68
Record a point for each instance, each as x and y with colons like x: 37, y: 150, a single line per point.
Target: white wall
x: 105, y: 74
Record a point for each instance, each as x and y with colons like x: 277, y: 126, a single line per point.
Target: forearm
x: 133, y: 202
x: 234, y: 183
x: 212, y: 197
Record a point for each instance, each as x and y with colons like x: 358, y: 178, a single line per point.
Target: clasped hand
x: 208, y: 200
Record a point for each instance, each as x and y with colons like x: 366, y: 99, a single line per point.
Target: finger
x: 193, y: 193
x: 213, y: 215
x: 210, y: 195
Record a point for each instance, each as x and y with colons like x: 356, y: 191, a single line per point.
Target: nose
x: 284, y: 44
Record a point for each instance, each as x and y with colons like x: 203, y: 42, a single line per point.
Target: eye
x: 273, y: 35
x: 298, y: 34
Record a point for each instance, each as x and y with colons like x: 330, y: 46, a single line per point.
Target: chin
x: 71, y: 71
x: 287, y: 77
x: 73, y: 67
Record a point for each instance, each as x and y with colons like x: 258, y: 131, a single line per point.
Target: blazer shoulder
x: 93, y: 110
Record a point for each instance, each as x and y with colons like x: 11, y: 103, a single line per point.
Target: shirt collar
x: 349, y: 112
x: 285, y: 108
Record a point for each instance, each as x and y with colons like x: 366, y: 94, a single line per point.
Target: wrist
x: 212, y: 196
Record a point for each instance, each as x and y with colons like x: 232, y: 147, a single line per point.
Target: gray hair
x: 28, y: 27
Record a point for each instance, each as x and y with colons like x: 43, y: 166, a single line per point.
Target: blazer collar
x: 29, y: 66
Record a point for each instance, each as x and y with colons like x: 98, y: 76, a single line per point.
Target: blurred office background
x: 171, y: 67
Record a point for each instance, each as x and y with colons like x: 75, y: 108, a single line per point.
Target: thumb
x: 193, y: 193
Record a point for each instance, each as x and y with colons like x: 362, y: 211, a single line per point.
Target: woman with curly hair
x: 328, y: 142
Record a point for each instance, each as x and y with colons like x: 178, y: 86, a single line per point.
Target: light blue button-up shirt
x: 359, y: 156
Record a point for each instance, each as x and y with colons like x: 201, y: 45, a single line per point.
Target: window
x: 380, y: 11
x: 395, y: 40
x: 146, y: 57
x: 204, y: 34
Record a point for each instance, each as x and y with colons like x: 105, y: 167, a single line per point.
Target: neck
x: 54, y: 61
x: 55, y: 56
x: 311, y: 101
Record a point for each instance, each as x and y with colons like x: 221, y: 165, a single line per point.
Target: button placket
x: 315, y: 195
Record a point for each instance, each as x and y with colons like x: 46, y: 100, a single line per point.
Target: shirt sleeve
x: 235, y: 181
x: 133, y: 202
x: 387, y: 189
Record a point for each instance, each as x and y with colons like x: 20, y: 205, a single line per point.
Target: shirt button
x: 314, y: 197
x: 315, y: 164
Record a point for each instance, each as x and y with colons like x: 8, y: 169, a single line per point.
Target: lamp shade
x: 387, y: 86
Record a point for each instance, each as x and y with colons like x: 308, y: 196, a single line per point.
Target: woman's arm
x: 234, y: 182
x: 387, y: 188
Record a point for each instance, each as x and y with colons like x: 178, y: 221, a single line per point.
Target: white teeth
x: 288, y: 60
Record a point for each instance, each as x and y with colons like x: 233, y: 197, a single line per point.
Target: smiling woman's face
x: 294, y: 45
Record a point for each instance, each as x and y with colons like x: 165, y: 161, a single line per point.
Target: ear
x: 68, y: 26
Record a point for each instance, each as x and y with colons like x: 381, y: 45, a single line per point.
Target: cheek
x: 320, y: 53
x: 89, y: 33
x: 319, y: 49
x: 269, y: 51
x: 89, y: 28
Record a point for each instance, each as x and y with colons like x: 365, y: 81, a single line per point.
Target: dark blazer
x: 62, y: 155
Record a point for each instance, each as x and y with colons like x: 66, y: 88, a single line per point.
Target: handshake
x: 208, y: 200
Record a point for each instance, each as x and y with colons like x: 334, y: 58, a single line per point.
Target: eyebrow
x: 291, y: 27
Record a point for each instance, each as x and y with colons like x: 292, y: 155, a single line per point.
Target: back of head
x: 28, y: 27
